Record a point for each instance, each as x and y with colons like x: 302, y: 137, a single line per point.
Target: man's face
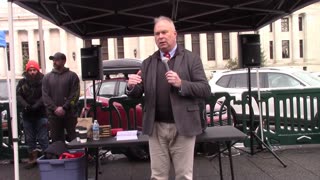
x: 165, y: 35
x: 58, y: 63
x: 32, y: 72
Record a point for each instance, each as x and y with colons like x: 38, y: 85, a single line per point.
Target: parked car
x: 235, y: 82
x: 114, y: 84
x: 272, y: 78
x: 317, y: 74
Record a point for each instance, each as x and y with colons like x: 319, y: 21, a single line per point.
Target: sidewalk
x: 303, y: 162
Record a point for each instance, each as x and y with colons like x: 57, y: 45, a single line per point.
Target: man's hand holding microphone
x: 172, y: 77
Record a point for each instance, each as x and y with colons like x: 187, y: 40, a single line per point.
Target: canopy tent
x: 96, y: 18
x: 90, y: 19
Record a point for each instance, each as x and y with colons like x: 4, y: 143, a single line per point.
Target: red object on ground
x: 71, y: 155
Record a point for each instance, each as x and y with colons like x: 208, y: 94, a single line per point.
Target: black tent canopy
x: 111, y: 18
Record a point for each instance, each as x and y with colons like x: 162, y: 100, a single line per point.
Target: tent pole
x: 13, y: 99
x: 41, y: 44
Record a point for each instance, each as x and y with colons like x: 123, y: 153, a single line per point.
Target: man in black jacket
x: 29, y: 98
x: 61, y: 90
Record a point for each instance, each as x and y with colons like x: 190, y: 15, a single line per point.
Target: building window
x: 210, y: 47
x: 120, y: 47
x: 285, y: 24
x: 301, y: 48
x: 104, y: 49
x: 225, y: 46
x: 195, y: 43
x: 38, y: 51
x: 180, y: 40
x: 270, y: 27
x: 8, y: 56
x: 300, y: 23
x: 285, y: 49
x: 25, y: 49
x: 25, y: 53
x: 271, y: 49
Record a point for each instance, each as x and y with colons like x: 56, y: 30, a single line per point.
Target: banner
x: 3, y: 39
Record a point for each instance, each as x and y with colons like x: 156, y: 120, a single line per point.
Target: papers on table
x: 127, y: 135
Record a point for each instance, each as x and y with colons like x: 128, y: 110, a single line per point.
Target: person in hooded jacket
x: 29, y: 98
x: 61, y: 91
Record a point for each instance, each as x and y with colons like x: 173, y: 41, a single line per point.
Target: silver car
x: 235, y: 82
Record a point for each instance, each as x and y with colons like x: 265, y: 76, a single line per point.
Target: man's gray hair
x: 164, y: 18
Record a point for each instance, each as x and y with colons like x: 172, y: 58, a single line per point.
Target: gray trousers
x: 58, y: 126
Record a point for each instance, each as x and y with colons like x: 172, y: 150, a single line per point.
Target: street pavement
x: 303, y: 162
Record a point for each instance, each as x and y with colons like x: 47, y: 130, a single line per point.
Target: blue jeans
x: 36, y: 129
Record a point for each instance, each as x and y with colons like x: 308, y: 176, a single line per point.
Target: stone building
x: 294, y: 39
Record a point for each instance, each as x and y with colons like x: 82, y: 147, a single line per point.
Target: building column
x: 63, y: 41
x: 140, y: 51
x: 188, y: 42
x: 47, y: 48
x: 142, y: 44
x: 18, y: 54
x: 130, y: 44
x: 32, y: 46
x: 79, y: 43
x: 64, y: 45
x: 233, y: 45
x: 307, y: 39
x: 111, y: 48
x: 203, y: 49
x: 294, y: 43
x: 311, y: 42
x: 277, y: 43
x: 218, y: 50
x: 146, y: 47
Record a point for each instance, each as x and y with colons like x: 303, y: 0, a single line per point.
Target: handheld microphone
x: 165, y: 62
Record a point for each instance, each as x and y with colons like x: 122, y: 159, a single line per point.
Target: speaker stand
x: 253, y: 134
x: 95, y: 117
x: 94, y: 99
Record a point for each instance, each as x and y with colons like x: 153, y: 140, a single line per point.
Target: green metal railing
x: 6, y: 145
x: 288, y: 116
x: 5, y: 133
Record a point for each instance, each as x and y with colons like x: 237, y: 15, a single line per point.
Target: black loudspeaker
x: 91, y: 63
x: 249, y: 50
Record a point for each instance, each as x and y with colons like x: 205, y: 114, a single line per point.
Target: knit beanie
x: 32, y: 64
